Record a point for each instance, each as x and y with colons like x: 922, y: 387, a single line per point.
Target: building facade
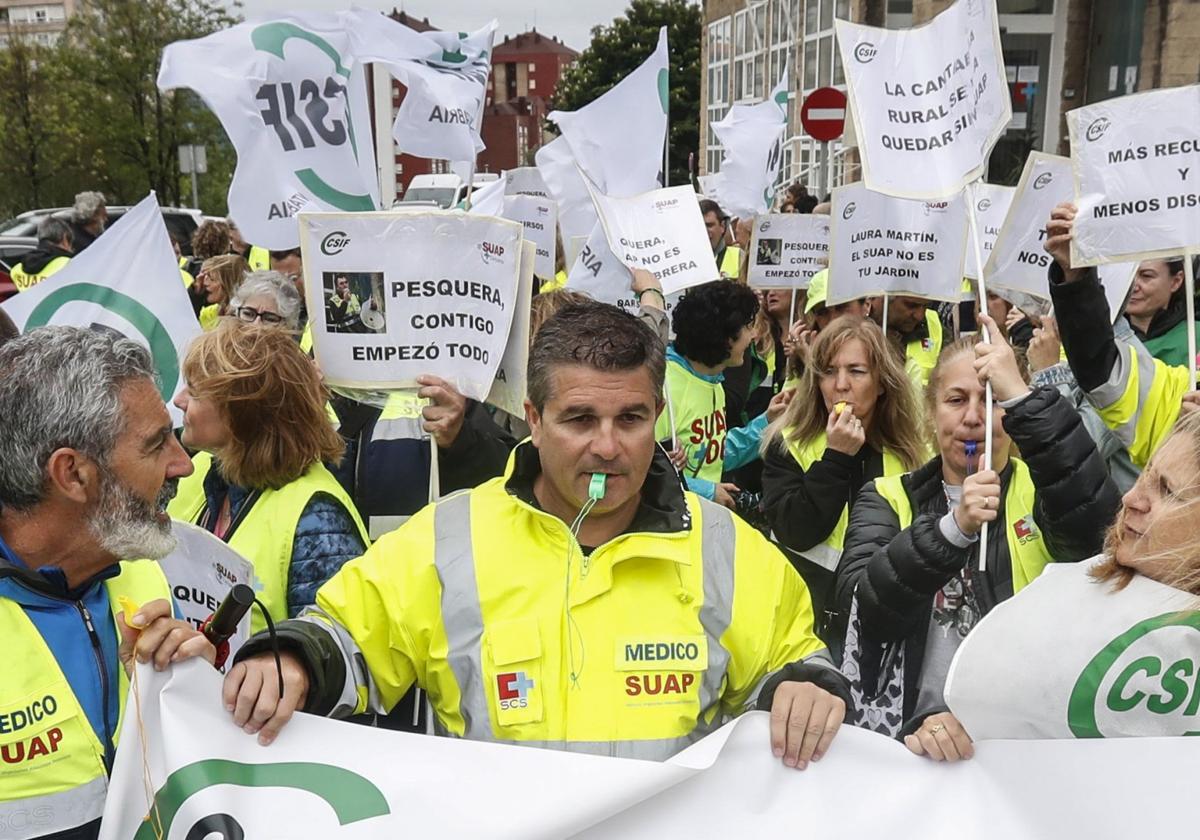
x: 36, y: 20
x: 1058, y: 55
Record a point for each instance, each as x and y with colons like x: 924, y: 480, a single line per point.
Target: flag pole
x: 1189, y: 286
x: 981, y: 291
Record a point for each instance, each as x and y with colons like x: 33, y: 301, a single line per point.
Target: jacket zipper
x: 98, y: 653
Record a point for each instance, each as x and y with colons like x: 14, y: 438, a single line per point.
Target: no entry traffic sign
x: 823, y: 114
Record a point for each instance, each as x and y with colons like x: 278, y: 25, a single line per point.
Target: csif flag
x: 752, y: 136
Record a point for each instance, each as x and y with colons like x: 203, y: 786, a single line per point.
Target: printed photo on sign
x: 1136, y: 162
x: 354, y: 302
x: 769, y: 252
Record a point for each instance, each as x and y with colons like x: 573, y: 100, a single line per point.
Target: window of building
x: 533, y: 84
x: 749, y: 60
x: 532, y: 67
x: 822, y: 67
x: 522, y: 143
x: 720, y: 51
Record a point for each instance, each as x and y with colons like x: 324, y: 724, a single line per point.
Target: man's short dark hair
x: 707, y: 206
x: 283, y: 255
x: 595, y: 335
x: 708, y: 318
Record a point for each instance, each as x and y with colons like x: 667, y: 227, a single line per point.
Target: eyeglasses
x: 249, y: 314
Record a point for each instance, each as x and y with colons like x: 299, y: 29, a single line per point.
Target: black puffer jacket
x: 897, y: 573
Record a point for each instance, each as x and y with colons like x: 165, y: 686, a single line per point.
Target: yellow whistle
x: 839, y: 407
x: 130, y: 609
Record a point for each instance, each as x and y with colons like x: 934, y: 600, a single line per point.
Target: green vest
x: 259, y: 259
x: 921, y: 355
x: 1026, y: 548
x: 23, y: 280
x: 829, y: 553
x: 52, y: 775
x: 266, y: 533
x: 697, y: 408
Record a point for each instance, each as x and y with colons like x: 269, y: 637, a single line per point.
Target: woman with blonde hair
x: 911, y: 571
x: 853, y: 418
x: 220, y: 277
x: 255, y: 408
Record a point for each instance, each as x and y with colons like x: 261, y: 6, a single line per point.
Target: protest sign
x: 1136, y: 164
x: 525, y: 180
x: 332, y: 779
x: 752, y: 136
x: 126, y: 281
x: 885, y: 245
x: 597, y: 272
x: 661, y: 231
x: 1108, y: 674
x: 787, y: 249
x: 508, y: 389
x: 537, y: 215
x: 436, y: 293
x: 201, y: 571
x: 992, y: 202
x: 929, y: 102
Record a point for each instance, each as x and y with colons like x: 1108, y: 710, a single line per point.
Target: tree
x: 617, y: 49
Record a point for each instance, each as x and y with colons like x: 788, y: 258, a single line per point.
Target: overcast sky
x: 570, y: 20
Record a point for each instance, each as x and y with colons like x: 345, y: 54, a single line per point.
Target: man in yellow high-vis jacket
x: 54, y: 250
x: 677, y: 615
x: 84, y: 481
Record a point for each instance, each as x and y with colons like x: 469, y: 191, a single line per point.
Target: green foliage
x: 617, y: 49
x: 87, y: 114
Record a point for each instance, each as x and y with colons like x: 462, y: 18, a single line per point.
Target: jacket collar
x: 674, y: 356
x: 663, y: 508
x: 1164, y: 320
x: 49, y: 580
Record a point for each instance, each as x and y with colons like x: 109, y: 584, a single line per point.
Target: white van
x: 447, y: 190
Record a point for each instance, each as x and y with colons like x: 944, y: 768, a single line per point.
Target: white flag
x: 128, y: 281
x: 752, y: 136
x: 598, y: 272
x: 618, y: 138
x: 884, y: 245
x: 929, y: 102
x: 576, y: 215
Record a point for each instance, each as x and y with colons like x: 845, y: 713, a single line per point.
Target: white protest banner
x: 661, y: 231
x: 201, y: 570
x: 538, y: 217
x: 787, y: 249
x: 488, y: 200
x: 1108, y: 674
x: 1137, y: 176
x: 508, y: 389
x: 576, y: 215
x: 126, y: 281
x: 929, y: 102
x: 525, y: 180
x: 710, y: 186
x: 884, y: 245
x: 442, y: 109
x: 436, y: 292
x: 330, y: 779
x: 1018, y: 265
x: 597, y: 272
x: 617, y: 139
x: 991, y: 207
x: 752, y: 136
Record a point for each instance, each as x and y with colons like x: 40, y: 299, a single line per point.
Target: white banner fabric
x: 508, y: 389
x: 435, y: 293
x: 752, y: 136
x: 539, y: 218
x: 597, y: 271
x: 201, y: 571
x: 576, y: 214
x: 1134, y: 158
x: 339, y: 780
x: 884, y: 245
x: 991, y: 207
x: 928, y: 103
x: 525, y: 180
x: 1069, y: 657
x: 127, y: 281
x: 661, y: 231
x: 787, y: 249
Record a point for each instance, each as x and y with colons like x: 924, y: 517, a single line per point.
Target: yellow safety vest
x: 731, y: 262
x: 259, y: 259
x: 697, y: 406
x: 827, y: 554
x: 1027, y: 549
x: 1142, y: 409
x: 306, y: 339
x: 921, y: 355
x: 52, y: 775
x: 558, y: 281
x: 266, y: 533
x: 668, y: 633
x: 23, y: 280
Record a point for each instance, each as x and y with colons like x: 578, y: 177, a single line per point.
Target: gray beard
x: 127, y: 527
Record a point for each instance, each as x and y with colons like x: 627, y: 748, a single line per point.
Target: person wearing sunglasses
x: 267, y: 297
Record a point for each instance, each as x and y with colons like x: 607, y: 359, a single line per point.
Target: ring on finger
x: 936, y: 728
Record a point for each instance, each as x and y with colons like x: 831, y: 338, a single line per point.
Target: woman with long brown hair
x: 854, y: 417
x: 255, y: 408
x: 220, y: 277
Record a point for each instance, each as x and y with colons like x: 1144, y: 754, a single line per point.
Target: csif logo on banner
x: 334, y: 243
x: 849, y: 210
x: 1131, y: 677
x: 865, y: 52
x: 1043, y: 180
x: 983, y: 205
x: 1097, y: 129
x: 765, y: 226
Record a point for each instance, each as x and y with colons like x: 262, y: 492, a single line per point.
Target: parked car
x: 180, y: 221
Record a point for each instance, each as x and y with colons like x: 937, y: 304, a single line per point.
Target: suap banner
x: 429, y: 292
x: 1136, y: 162
x: 184, y: 770
x: 752, y: 136
x: 1122, y: 663
x: 896, y: 246
x: 787, y: 249
x: 992, y: 202
x: 928, y: 103
x: 1018, y: 264
x: 127, y: 282
x: 661, y: 231
x: 201, y: 571
x: 509, y: 388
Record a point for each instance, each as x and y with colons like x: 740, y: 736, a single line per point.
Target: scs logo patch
x: 513, y: 689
